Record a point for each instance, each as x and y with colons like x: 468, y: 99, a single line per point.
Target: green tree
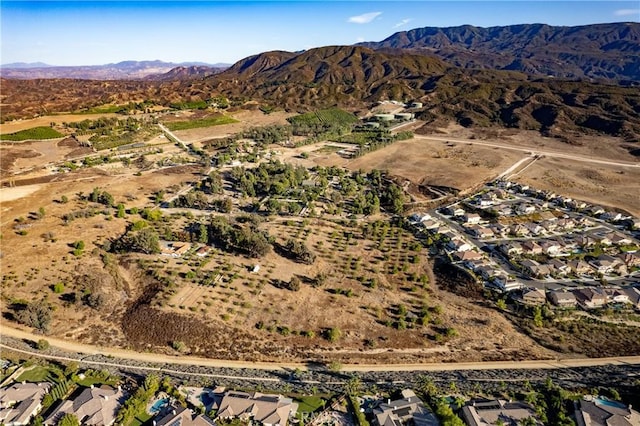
x: 69, y: 419
x: 203, y: 233
x: 146, y: 240
x: 58, y: 288
x: 42, y: 345
x: 36, y: 315
x: 121, y: 211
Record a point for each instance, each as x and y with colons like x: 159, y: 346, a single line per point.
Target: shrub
x: 58, y: 288
x: 42, y: 345
x: 333, y: 334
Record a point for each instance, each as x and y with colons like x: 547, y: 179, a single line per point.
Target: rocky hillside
x: 604, y: 52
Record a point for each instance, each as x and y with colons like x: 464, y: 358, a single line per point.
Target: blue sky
x: 88, y: 33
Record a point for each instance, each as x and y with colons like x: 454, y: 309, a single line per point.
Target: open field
x: 600, y: 184
x: 247, y: 119
x: 427, y: 162
x: 46, y: 120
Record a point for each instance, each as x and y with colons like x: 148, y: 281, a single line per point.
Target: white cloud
x: 360, y: 39
x: 627, y: 12
x: 365, y: 18
x: 401, y: 23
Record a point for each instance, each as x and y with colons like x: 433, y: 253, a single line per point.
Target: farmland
x: 202, y: 122
x: 32, y: 134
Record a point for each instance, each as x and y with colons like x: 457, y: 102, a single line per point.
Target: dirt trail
x: 217, y: 363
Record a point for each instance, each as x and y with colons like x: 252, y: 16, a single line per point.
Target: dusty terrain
x: 33, y: 260
x: 600, y: 184
x: 438, y: 163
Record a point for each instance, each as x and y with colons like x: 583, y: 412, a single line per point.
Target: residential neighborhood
x: 545, y: 247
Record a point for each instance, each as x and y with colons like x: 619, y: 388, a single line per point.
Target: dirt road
x: 116, y: 353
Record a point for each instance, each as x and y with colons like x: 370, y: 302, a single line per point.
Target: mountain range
x: 355, y: 77
x: 119, y: 71
x: 603, y: 52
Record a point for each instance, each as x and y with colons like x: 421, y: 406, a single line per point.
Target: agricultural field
x: 201, y: 122
x: 32, y: 134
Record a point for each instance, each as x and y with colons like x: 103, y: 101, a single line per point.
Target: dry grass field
x: 600, y: 184
x: 455, y: 165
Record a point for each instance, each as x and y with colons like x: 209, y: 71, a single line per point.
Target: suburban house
x: 471, y: 218
x: 634, y: 296
x: 595, y: 411
x: 407, y: 410
x: 466, y: 255
x: 617, y: 296
x: 579, y: 267
x: 605, y: 264
x: 534, y: 297
x: 510, y: 248
x: 612, y: 216
x: 525, y: 209
x: 630, y: 259
x: 619, y: 239
x: 563, y: 299
x: 518, y: 230
x: 457, y: 244
x: 566, y: 224
x: 534, y: 228
x: 559, y: 267
x: 589, y: 298
x: 94, y: 406
x: 177, y: 415
x: 268, y: 410
x: 506, y: 283
x: 535, y: 269
x: 481, y: 232
x: 21, y: 401
x: 531, y: 247
x: 551, y: 248
x: 484, y: 413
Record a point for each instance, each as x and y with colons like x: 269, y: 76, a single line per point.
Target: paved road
x: 533, y: 150
x: 122, y: 354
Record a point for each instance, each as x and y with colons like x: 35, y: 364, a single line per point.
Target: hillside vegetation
x: 353, y: 78
x: 605, y: 52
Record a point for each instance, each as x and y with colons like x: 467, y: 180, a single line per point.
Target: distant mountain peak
x: 607, y: 52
